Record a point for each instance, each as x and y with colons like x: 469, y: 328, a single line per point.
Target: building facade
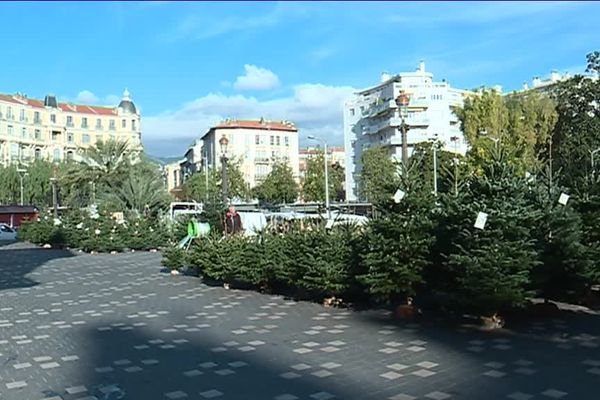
x: 47, y: 129
x: 256, y: 144
x: 335, y: 155
x: 372, y: 118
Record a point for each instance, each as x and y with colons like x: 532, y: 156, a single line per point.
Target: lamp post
x: 402, y: 102
x: 223, y: 142
x: 434, y: 146
x: 22, y: 174
x: 455, y: 140
x: 206, y: 175
x: 326, y: 172
x: 593, y: 153
x: 483, y: 132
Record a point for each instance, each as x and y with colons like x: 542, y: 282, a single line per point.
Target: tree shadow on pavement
x: 126, y: 362
x: 17, y: 260
x: 531, y: 359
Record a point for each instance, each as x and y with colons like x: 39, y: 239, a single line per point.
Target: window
x: 70, y: 155
x: 38, y: 134
x: 84, y: 123
x: 272, y: 140
x: 124, y: 123
x: 352, y: 112
x: 69, y: 120
x: 133, y: 124
x: 70, y: 137
x: 85, y: 138
x: 55, y: 136
x: 22, y: 115
x: 9, y: 114
x: 278, y: 140
x: 286, y: 140
x: 36, y: 118
x: 98, y: 123
x: 257, y: 139
x: 24, y: 133
x: 56, y: 154
x: 53, y: 118
x: 38, y: 154
x: 111, y: 124
x: 14, y: 150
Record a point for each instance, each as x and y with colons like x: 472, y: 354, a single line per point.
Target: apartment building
x: 256, y: 144
x: 335, y: 155
x: 372, y: 118
x: 48, y: 129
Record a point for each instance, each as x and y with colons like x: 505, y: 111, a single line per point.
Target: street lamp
x: 435, y: 142
x: 455, y: 140
x: 22, y: 174
x: 593, y: 152
x: 483, y: 132
x: 402, y: 102
x: 326, y: 172
x: 223, y: 142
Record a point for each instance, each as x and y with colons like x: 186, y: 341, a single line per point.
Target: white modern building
x: 372, y: 118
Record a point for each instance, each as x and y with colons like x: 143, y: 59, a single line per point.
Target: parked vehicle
x: 7, y: 233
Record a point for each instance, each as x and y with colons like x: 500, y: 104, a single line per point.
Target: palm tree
x: 105, y: 162
x: 141, y: 191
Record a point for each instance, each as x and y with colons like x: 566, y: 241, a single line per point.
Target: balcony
x: 381, y: 108
x: 421, y: 102
x: 262, y: 160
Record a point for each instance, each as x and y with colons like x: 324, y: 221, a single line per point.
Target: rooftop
x: 23, y: 100
x: 256, y: 124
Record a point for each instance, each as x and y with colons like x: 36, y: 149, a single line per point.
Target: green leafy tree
x: 203, y: 186
x: 9, y: 185
x: 577, y: 131
x: 378, y: 179
x: 279, y: 186
x: 238, y: 186
x: 313, y: 186
x: 37, y: 184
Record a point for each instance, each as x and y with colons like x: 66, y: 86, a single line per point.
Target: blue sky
x: 187, y: 65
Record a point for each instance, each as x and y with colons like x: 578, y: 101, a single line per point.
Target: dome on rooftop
x: 126, y: 104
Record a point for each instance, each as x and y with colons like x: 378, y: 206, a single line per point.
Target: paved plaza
x: 107, y: 327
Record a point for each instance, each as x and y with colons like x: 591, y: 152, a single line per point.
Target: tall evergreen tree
x: 488, y: 270
x: 399, y: 241
x: 378, y: 179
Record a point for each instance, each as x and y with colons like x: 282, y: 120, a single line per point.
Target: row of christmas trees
x: 431, y: 247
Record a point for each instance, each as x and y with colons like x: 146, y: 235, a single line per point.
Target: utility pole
x: 205, y: 177
x: 22, y: 173
x: 402, y: 102
x: 326, y: 172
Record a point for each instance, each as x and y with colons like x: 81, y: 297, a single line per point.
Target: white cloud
x: 316, y: 109
x: 256, y: 78
x: 86, y: 97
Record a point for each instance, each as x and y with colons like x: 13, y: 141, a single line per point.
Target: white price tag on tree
x: 481, y: 220
x: 399, y: 195
x: 563, y: 199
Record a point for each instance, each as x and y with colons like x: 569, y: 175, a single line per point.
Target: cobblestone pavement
x: 113, y: 327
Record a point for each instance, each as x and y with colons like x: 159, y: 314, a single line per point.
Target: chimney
x: 525, y: 86
x: 554, y: 76
x: 537, y: 81
x: 385, y: 77
x: 422, y: 66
